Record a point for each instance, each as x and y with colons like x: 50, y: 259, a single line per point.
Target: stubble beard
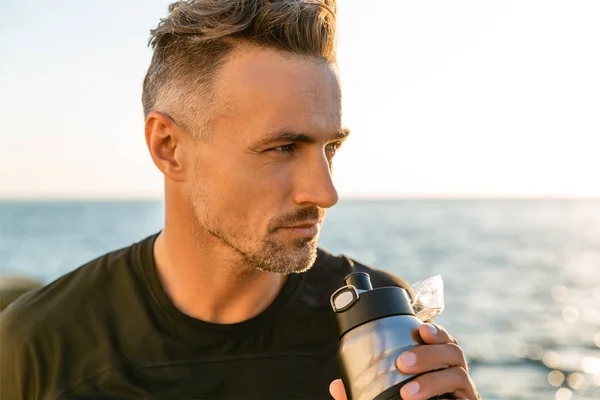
x: 264, y: 254
x: 273, y: 257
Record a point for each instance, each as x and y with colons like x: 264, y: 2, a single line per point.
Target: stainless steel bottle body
x: 369, y: 352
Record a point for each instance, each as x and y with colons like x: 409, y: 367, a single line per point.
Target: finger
x: 453, y: 381
x: 431, y: 357
x: 337, y: 391
x: 435, y: 334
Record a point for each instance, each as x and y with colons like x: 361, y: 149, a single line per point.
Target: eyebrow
x: 301, y: 137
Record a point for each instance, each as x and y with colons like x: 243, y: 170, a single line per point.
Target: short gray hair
x: 191, y: 43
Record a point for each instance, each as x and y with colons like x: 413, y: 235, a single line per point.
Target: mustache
x: 309, y: 213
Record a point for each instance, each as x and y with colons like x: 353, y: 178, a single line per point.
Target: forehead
x: 265, y: 90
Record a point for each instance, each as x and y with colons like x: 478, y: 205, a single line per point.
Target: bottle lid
x: 357, y: 303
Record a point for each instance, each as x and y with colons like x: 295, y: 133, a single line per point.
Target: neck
x: 206, y: 279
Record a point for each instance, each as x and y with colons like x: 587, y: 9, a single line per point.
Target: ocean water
x: 521, y: 278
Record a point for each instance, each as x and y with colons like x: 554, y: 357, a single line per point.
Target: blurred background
x: 473, y: 155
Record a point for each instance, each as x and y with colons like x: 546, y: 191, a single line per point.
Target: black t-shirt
x: 108, y: 330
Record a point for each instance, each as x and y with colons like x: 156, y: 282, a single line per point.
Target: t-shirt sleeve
x: 18, y: 367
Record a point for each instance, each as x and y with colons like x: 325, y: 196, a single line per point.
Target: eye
x: 332, y: 148
x: 286, y: 148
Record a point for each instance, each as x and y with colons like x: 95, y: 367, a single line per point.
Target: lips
x: 305, y: 229
x: 307, y: 224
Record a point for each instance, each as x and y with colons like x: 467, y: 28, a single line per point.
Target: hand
x: 442, y: 363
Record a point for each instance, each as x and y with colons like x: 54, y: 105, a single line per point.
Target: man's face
x: 262, y: 181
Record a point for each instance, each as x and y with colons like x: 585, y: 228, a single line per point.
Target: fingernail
x: 408, y: 359
x: 412, y: 388
x: 432, y: 329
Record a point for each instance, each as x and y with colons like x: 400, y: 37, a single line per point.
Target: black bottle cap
x: 363, y: 306
x: 359, y: 280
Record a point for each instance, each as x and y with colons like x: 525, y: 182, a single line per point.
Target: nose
x: 314, y: 186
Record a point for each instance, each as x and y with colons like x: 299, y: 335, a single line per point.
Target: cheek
x: 243, y: 195
x: 259, y: 179
x: 231, y: 171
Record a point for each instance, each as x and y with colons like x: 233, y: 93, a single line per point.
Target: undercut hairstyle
x: 193, y: 40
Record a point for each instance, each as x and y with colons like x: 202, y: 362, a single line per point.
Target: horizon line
x: 114, y: 199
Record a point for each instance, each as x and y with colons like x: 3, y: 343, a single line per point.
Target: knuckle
x: 444, y: 336
x: 460, y: 355
x: 442, y: 331
x: 455, y: 349
x: 461, y: 372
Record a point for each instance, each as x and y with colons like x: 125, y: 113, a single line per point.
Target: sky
x: 444, y: 99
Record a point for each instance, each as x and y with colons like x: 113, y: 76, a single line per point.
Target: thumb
x: 337, y: 391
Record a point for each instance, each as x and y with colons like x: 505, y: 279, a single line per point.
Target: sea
x: 521, y: 277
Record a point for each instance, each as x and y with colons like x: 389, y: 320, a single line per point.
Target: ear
x: 166, y: 142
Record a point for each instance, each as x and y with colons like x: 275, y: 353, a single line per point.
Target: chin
x: 292, y: 259
x: 305, y: 260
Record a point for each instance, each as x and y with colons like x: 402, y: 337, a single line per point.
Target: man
x: 231, y: 299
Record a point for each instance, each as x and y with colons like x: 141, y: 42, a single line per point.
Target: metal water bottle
x: 375, y: 326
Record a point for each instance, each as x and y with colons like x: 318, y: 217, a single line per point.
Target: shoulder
x: 328, y: 273
x: 338, y: 266
x: 68, y: 298
x: 37, y: 329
